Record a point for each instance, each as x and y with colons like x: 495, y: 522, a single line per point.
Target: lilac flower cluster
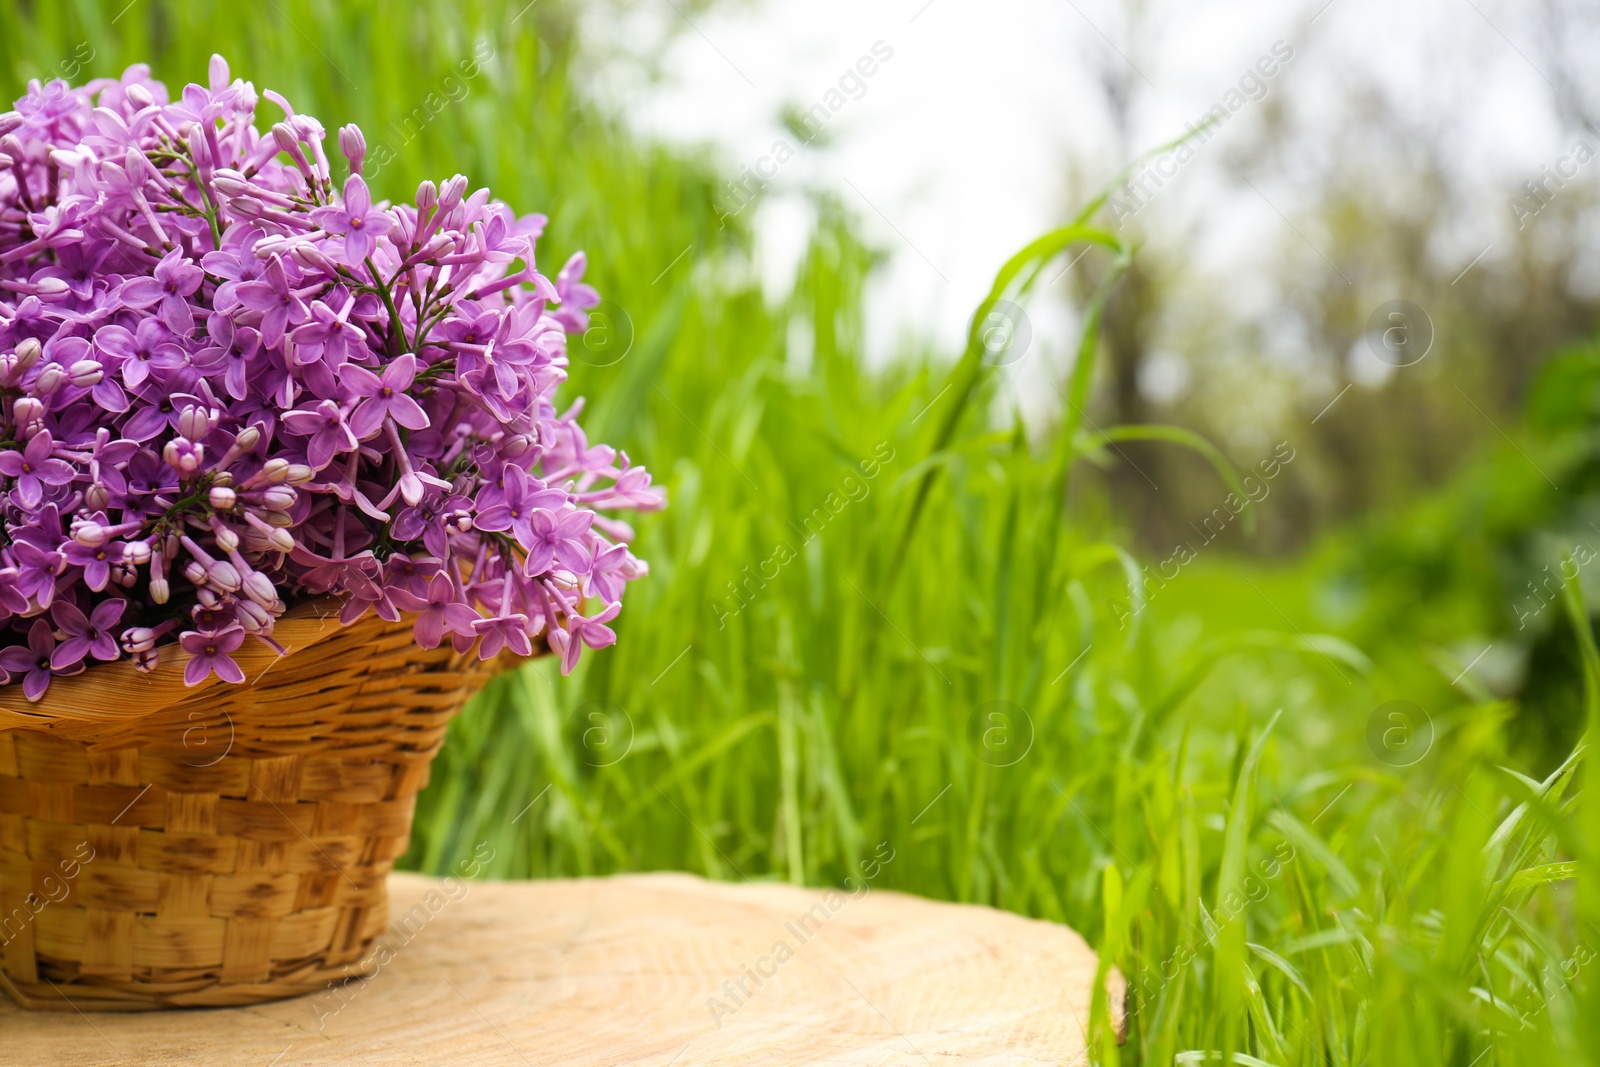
x: 227, y: 386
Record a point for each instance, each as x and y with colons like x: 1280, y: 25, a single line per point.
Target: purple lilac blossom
x: 228, y: 385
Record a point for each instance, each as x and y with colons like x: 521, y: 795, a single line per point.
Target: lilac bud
x: 223, y: 498
x: 139, y: 96
x: 194, y: 571
x: 97, y: 497
x: 308, y: 128
x: 50, y: 379
x: 138, y: 639
x: 227, y: 538
x: 258, y: 587
x: 309, y: 255
x: 217, y: 72
x: 300, y: 474
x: 64, y: 159
x: 183, y: 456
x: 256, y: 618
x: 199, y: 147
x: 224, y: 576
x: 136, y: 163
x: 5, y: 161
x: 86, y: 373
x: 279, y: 498
x: 147, y: 660
x: 248, y: 438
x: 223, y: 479
x: 441, y: 244
x: 268, y: 247
x: 246, y: 208
x: 285, y: 137
x: 230, y: 183
x: 137, y: 553
x: 427, y: 197
x: 194, y: 422
x: 275, y: 470
x: 89, y: 534
x: 160, y: 590
x: 28, y: 352
x: 450, y: 192
x: 353, y: 144
x: 516, y: 445
x: 28, y: 410
x: 50, y: 288
x: 265, y: 537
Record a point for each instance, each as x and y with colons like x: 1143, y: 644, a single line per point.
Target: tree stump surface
x: 648, y: 970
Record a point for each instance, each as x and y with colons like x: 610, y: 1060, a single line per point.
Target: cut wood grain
x: 651, y: 970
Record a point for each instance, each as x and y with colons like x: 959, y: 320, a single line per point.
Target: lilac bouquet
x: 227, y: 386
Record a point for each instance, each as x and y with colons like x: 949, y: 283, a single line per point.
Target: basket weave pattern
x: 162, y: 846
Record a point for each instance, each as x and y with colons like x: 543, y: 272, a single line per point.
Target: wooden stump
x: 652, y: 970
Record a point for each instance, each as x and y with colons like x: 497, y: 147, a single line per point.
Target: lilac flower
x: 135, y: 353
x: 36, y: 572
x: 355, y: 220
x: 32, y: 661
x: 175, y: 280
x: 209, y: 652
x: 576, y: 297
x: 499, y: 632
x: 34, y: 468
x: 231, y: 351
x: 374, y: 597
x: 557, y: 539
x: 195, y: 442
x: 438, y: 613
x: 327, y: 336
x: 608, y: 574
x: 235, y: 262
x: 279, y: 303
x: 96, y: 561
x: 326, y: 427
x: 403, y: 574
x: 433, y: 519
x: 86, y: 635
x: 567, y: 643
x: 384, y: 396
x: 522, y: 501
x: 12, y: 602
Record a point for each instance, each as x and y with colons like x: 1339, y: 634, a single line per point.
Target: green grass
x: 935, y: 662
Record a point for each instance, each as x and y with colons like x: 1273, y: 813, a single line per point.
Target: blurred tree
x: 1363, y: 193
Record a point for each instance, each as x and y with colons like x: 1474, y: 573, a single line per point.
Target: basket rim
x: 118, y: 691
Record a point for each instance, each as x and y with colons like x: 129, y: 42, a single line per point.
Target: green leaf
x: 1543, y: 874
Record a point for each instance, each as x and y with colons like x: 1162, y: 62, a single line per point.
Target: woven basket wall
x: 238, y: 837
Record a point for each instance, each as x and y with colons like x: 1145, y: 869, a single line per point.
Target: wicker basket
x: 167, y: 846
